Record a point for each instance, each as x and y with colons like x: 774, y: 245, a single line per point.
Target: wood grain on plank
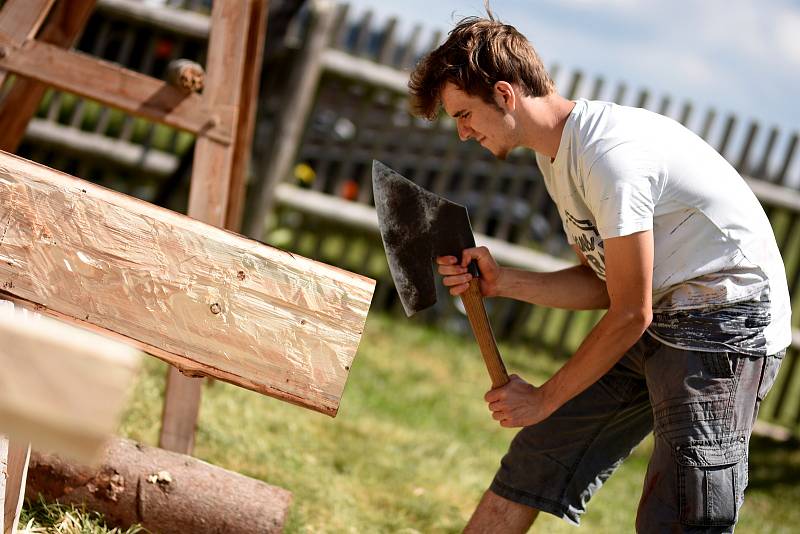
x: 189, y: 293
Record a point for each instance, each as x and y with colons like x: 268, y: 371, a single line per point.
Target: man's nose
x: 464, y: 131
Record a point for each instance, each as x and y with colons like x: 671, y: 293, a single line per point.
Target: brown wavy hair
x: 478, y: 53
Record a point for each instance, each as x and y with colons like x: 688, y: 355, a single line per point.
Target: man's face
x: 476, y: 119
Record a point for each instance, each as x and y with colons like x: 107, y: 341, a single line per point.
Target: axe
x: 417, y: 226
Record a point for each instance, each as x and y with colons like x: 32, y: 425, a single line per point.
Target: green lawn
x: 413, y: 446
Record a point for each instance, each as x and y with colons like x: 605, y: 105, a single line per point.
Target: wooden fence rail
x: 358, y: 113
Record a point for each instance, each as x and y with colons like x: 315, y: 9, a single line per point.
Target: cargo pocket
x: 772, y: 365
x: 711, y: 480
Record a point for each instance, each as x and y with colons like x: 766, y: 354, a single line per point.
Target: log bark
x: 165, y: 492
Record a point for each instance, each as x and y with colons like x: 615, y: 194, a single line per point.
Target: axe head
x: 416, y: 226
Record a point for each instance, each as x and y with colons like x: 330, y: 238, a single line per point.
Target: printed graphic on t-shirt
x: 585, y: 234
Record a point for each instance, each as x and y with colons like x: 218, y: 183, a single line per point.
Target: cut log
x: 163, y: 491
x: 206, y: 300
x: 186, y: 74
x: 62, y: 388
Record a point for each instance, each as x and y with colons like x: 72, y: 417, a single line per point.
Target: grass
x: 413, y: 446
x: 41, y: 518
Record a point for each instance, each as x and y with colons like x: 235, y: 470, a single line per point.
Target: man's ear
x: 505, y: 96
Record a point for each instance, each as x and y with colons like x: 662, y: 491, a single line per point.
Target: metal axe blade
x: 416, y: 226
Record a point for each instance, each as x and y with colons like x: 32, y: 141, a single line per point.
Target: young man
x: 672, y: 243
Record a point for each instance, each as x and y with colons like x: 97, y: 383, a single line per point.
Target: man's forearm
x: 575, y: 288
x: 602, y: 348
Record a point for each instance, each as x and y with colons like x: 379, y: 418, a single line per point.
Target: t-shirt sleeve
x: 622, y: 188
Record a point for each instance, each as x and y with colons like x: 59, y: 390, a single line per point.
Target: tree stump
x: 163, y: 491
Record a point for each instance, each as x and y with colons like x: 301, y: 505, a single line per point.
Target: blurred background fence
x: 332, y: 100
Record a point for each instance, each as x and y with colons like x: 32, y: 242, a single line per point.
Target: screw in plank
x: 215, y: 308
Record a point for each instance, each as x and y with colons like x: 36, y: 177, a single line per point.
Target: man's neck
x: 543, y: 122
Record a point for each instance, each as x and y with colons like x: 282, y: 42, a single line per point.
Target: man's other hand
x: 518, y: 404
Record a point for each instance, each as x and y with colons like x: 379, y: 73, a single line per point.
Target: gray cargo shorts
x: 701, y: 407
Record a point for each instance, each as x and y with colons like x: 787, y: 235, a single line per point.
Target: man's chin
x: 501, y: 154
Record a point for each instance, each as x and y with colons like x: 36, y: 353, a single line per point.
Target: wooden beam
x: 14, y: 455
x: 62, y: 29
x: 118, y: 87
x: 248, y: 100
x: 65, y: 387
x: 20, y: 20
x: 194, y: 295
x: 212, y: 172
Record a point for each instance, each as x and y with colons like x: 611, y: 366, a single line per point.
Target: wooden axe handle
x: 473, y: 303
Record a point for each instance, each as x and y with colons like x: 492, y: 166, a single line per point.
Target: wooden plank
x: 20, y: 20
x: 65, y: 387
x: 197, y: 296
x: 17, y: 108
x: 118, y: 87
x: 14, y: 456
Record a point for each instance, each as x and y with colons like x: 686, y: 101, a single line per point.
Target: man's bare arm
x: 574, y: 288
x: 629, y: 274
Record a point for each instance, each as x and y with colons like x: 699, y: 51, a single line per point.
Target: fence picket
x: 744, y: 158
x: 761, y: 170
x: 730, y: 124
x: 409, y: 50
x: 686, y: 113
x: 791, y: 148
x: 362, y: 35
x: 340, y: 25
x: 644, y: 98
x: 388, y: 47
x: 597, y: 88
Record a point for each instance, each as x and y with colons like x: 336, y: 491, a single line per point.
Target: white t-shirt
x: 621, y: 170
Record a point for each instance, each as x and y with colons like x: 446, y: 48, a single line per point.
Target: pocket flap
x: 726, y: 452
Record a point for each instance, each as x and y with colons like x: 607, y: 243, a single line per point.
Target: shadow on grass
x: 773, y: 463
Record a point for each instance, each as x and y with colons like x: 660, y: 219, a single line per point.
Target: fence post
x: 290, y: 122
